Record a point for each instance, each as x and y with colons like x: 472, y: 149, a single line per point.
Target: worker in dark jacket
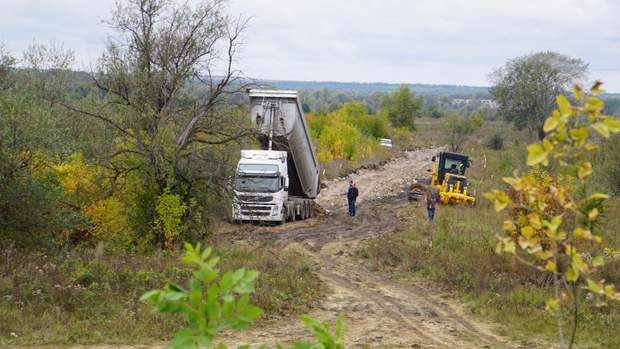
x: 352, y: 194
x: 431, y: 203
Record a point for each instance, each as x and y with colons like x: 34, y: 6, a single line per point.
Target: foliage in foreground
x: 54, y: 297
x: 462, y: 255
x: 213, y: 303
x: 553, y: 217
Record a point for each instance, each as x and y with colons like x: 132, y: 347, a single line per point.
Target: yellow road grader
x: 448, y: 180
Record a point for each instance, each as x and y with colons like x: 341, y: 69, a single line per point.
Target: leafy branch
x: 213, y: 303
x: 552, y: 219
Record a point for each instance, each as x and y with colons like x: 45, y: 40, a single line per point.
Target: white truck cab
x: 261, y: 186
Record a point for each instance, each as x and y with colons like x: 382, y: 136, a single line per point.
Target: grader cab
x: 448, y: 182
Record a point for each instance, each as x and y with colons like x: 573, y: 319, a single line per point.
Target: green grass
x: 77, y: 297
x: 458, y: 251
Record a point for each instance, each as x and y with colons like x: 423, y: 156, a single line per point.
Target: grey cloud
x: 450, y: 41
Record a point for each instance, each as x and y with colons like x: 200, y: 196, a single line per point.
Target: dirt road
x: 379, y: 312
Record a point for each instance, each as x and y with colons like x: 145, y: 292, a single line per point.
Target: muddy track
x: 380, y: 312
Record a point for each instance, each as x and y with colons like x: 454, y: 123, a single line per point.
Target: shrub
x: 458, y: 130
x: 348, y: 133
x: 109, y: 221
x: 496, y: 141
x: 170, y: 210
x: 477, y: 119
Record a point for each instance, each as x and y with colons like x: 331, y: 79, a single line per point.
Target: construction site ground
x: 380, y: 312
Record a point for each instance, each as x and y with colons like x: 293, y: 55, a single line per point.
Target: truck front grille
x: 256, y: 210
x: 254, y: 213
x: 253, y: 198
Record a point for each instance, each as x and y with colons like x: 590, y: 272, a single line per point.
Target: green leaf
x: 183, y: 339
x: 612, y: 124
x: 250, y: 312
x: 571, y: 274
x: 338, y: 328
x: 510, y: 247
x: 602, y: 129
x: 552, y: 304
x: 550, y: 267
x: 554, y: 224
x: 528, y: 231
x: 251, y: 275
x: 579, y: 135
x: 226, y: 282
x: 593, y: 214
x: 551, y: 123
x: 594, y: 104
x: 564, y: 104
x: 537, y: 155
x: 500, y: 198
x: 598, y: 196
x: 585, y: 170
x: 598, y: 261
x: 206, y: 253
x: 151, y: 297
x: 594, y: 286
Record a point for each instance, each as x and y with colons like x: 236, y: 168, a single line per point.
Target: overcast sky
x: 416, y: 41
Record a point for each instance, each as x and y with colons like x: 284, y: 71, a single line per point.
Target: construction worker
x: 431, y: 202
x: 352, y: 194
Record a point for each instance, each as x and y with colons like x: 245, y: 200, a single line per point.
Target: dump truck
x: 448, y: 180
x: 279, y: 181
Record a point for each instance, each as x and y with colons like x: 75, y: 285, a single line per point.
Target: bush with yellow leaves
x: 553, y: 217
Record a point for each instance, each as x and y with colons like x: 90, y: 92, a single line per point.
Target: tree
x: 553, y: 224
x: 457, y: 130
x: 31, y: 205
x: 402, y: 106
x: 525, y: 87
x: 163, y: 83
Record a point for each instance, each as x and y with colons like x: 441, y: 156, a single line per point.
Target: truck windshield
x: 248, y: 169
x: 259, y: 184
